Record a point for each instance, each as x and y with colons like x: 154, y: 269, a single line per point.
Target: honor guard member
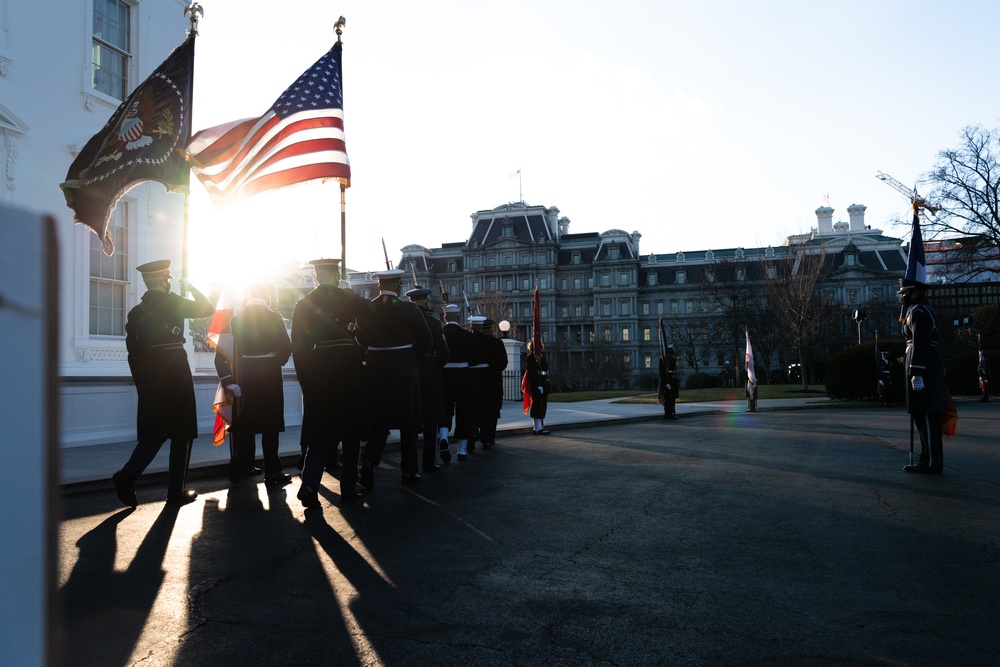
x: 429, y: 367
x: 459, y: 392
x: 668, y: 376
x: 984, y: 378
x: 925, y: 387
x: 537, y: 369
x: 396, y: 338
x: 328, y: 362
x: 154, y: 338
x: 261, y: 347
x: 487, y: 377
x: 884, y: 378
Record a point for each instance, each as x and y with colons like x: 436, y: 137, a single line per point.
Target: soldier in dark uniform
x: 396, y: 338
x: 154, y: 337
x: 328, y: 362
x: 459, y: 392
x: 668, y: 381
x: 984, y: 378
x: 537, y: 369
x: 925, y: 384
x: 430, y: 365
x: 487, y: 377
x: 261, y: 348
x: 884, y: 378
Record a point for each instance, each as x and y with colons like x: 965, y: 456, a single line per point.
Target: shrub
x: 963, y: 373
x: 853, y: 373
x: 701, y: 381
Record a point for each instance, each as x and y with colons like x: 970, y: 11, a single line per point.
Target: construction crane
x: 916, y: 200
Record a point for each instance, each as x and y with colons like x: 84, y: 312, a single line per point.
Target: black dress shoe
x: 918, y: 468
x: 332, y: 466
x: 431, y: 467
x: 278, y: 481
x: 411, y: 478
x: 445, y: 453
x: 541, y: 432
x: 252, y: 470
x: 463, y: 457
x: 307, y: 496
x: 351, y: 497
x: 489, y: 445
x: 183, y: 498
x: 125, y: 488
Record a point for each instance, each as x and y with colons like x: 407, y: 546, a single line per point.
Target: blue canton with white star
x: 318, y: 88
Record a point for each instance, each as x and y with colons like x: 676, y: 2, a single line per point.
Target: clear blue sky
x: 702, y: 125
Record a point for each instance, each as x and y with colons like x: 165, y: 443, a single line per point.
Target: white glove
x: 668, y: 387
x: 541, y: 390
x: 917, y: 382
x: 183, y: 285
x: 235, y: 388
x: 881, y: 383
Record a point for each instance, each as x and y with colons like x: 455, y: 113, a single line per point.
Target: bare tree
x: 694, y: 339
x: 967, y: 187
x: 802, y: 316
x: 495, y: 306
x: 609, y: 363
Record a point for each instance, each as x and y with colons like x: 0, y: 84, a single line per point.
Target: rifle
x: 385, y: 252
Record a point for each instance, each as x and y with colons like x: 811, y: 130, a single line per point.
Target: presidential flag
x: 142, y: 141
x: 300, y: 138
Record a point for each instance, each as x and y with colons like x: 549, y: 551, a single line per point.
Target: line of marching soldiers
x: 364, y: 367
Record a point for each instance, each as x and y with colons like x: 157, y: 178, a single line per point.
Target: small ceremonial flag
x: 220, y: 336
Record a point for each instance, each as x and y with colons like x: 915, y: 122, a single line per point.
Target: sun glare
x: 260, y: 238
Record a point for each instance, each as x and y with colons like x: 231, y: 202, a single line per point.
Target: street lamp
x: 859, y: 316
x: 504, y: 328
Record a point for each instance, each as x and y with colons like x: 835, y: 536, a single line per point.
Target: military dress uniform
x: 668, y: 379
x: 396, y: 338
x: 884, y: 378
x: 429, y: 367
x: 328, y: 363
x: 537, y: 369
x: 162, y: 376
x: 926, y: 404
x: 261, y: 349
x: 458, y: 388
x: 487, y: 377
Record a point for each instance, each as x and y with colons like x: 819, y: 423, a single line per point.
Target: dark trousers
x: 244, y: 450
x: 372, y: 455
x: 180, y: 456
x: 430, y: 445
x: 316, y: 459
x: 931, y: 449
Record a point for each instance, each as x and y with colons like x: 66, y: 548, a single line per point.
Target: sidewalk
x: 91, y: 467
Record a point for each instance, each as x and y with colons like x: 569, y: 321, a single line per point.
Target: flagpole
x: 196, y: 12
x: 338, y: 28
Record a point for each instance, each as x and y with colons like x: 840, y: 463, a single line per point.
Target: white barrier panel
x: 29, y: 495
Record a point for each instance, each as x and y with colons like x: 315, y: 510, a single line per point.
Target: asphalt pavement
x: 783, y: 537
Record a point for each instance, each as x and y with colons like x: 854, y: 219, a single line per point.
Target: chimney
x: 635, y: 242
x: 857, y: 213
x: 824, y: 219
x: 563, y: 225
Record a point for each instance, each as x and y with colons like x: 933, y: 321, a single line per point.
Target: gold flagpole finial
x: 196, y: 12
x: 338, y: 27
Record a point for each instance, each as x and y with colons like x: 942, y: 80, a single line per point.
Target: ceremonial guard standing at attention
x: 537, y: 375
x: 926, y: 393
x: 668, y: 380
x: 487, y: 376
x: 328, y: 363
x: 884, y: 378
x: 261, y: 347
x: 154, y: 338
x: 459, y: 392
x: 430, y: 365
x: 396, y: 338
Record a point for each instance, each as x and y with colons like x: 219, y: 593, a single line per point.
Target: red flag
x: 526, y: 392
x: 536, y: 327
x: 300, y: 138
x: 142, y: 141
x: 221, y: 338
x: 949, y: 425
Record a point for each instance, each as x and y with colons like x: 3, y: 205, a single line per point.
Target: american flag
x: 300, y: 138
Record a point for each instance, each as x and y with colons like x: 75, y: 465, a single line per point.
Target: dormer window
x: 575, y: 259
x: 681, y: 277
x: 680, y: 257
x: 613, y: 252
x: 709, y: 256
x: 740, y: 254
x: 508, y: 232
